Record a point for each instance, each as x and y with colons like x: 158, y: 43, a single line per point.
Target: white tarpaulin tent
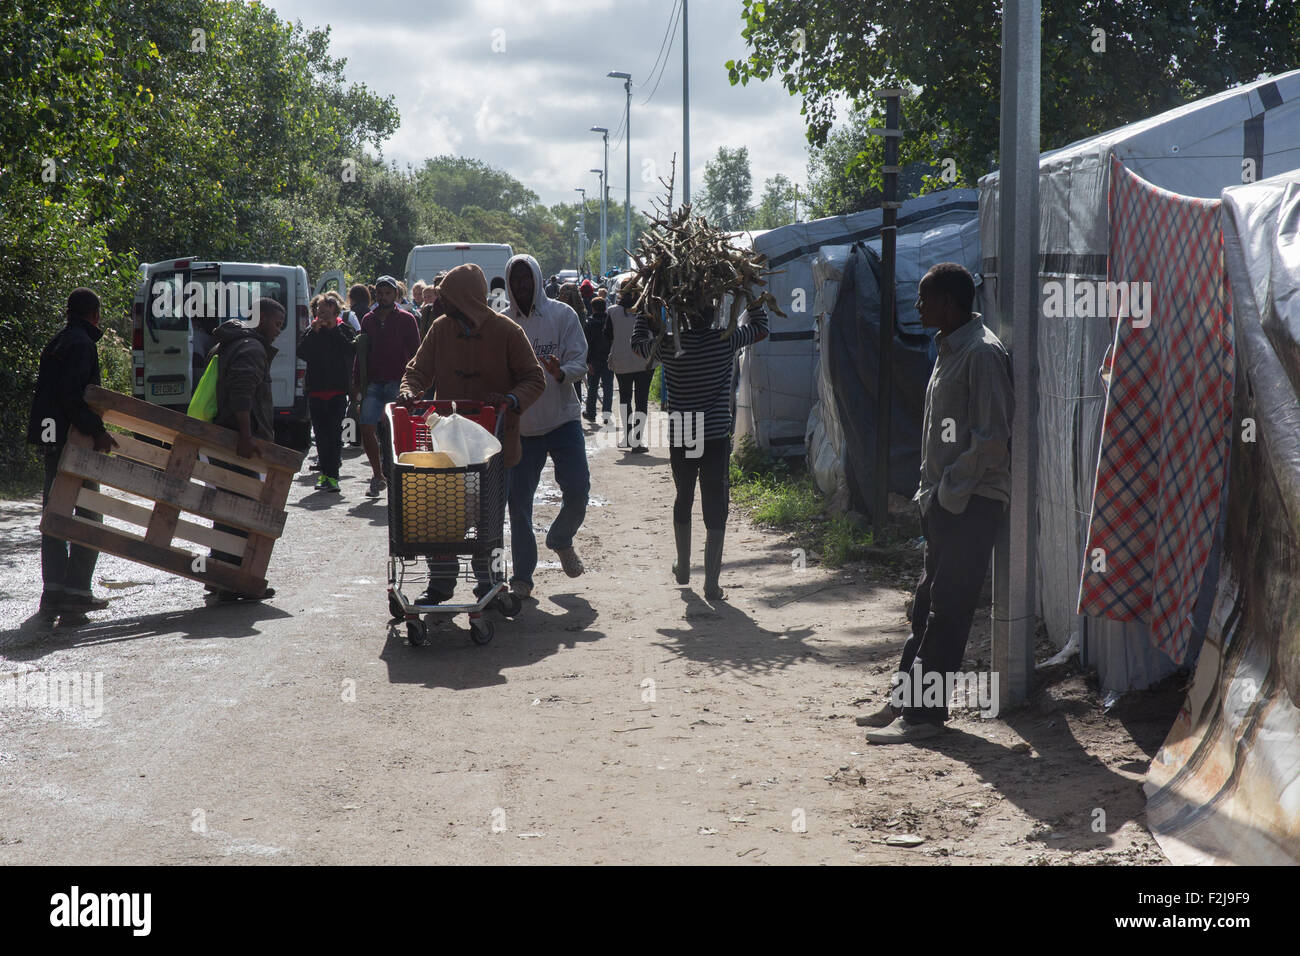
x: 1196, y: 150
x: 1225, y: 787
x: 778, y: 382
x: 845, y: 387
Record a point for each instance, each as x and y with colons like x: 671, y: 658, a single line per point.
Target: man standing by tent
x: 965, y: 488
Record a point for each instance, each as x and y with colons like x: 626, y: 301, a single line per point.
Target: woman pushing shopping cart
x: 483, y: 362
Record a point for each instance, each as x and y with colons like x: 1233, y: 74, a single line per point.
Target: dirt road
x: 619, y: 719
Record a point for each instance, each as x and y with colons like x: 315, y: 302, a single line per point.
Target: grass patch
x: 656, y: 386
x: 22, y: 485
x: 779, y: 493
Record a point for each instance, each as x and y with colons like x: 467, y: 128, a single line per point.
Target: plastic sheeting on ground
x: 1196, y: 150
x: 1225, y: 787
x: 778, y: 380
x: 842, y: 424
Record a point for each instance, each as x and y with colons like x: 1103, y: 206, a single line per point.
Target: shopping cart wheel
x: 395, y: 607
x: 508, y: 603
x: 417, y: 633
x: 481, y: 630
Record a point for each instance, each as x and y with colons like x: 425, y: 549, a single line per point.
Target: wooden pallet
x: 168, y: 479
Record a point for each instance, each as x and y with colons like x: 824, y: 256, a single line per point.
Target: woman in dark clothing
x: 327, y: 348
x: 599, y: 373
x: 698, y: 372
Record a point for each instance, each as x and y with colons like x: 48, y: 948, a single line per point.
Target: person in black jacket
x: 69, y: 362
x: 328, y: 348
x: 598, y: 373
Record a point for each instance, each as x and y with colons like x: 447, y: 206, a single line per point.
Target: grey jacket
x: 967, y: 423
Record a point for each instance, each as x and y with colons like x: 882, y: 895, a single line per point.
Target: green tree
x: 777, y: 206
x: 728, y: 187
x: 1155, y: 57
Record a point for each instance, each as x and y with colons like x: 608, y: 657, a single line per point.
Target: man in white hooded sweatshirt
x: 550, y: 426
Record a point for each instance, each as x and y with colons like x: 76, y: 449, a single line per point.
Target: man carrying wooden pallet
x: 68, y: 364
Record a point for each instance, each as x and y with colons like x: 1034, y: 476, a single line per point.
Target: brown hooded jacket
x: 493, y: 355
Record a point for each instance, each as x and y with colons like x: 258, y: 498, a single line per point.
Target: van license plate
x: 168, y: 388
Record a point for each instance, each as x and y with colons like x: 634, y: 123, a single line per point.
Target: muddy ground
x: 619, y: 719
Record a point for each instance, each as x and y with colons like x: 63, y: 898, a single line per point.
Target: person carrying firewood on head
x: 698, y: 372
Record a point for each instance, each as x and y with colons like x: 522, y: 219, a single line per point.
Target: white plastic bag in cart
x: 463, y: 441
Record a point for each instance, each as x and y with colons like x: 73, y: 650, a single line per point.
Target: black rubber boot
x: 713, y: 538
x: 682, y: 566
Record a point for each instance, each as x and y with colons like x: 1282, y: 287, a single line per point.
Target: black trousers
x: 218, y: 526
x: 327, y: 422
x: 66, y: 566
x: 633, y: 395
x: 957, y: 551
x: 602, y: 376
x: 715, y: 488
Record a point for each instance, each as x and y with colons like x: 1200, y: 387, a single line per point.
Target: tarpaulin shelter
x: 777, y: 385
x: 1194, y: 151
x: 1225, y: 787
x: 841, y: 428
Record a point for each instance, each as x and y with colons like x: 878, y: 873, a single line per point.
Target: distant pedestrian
x: 700, y: 426
x: 598, y: 373
x: 630, y: 370
x: 68, y: 363
x: 552, y: 287
x: 328, y: 348
x: 392, y: 338
x: 964, y: 490
x: 551, y: 427
x: 570, y: 296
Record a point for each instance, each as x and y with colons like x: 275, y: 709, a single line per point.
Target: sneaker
x: 605, y: 419
x: 639, y: 450
x: 883, y: 717
x: 521, y: 589
x: 332, y: 484
x: 588, y: 418
x: 904, y: 731
x: 570, y: 561
x: 432, y: 596
x: 323, y: 483
x: 377, y: 485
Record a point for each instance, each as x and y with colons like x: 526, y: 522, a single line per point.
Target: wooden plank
x: 258, y: 556
x: 180, y: 465
x: 112, y: 541
x: 104, y: 402
x: 275, y: 490
x: 138, y: 515
x: 149, y: 454
x: 150, y: 483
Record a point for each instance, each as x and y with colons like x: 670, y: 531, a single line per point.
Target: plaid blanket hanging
x: 1167, y: 430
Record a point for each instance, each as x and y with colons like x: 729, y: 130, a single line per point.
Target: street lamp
x: 627, y: 132
x: 582, y: 225
x: 604, y: 193
x: 601, y: 174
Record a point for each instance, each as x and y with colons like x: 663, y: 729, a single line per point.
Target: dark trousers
x: 715, y: 486
x: 327, y: 422
x: 65, y: 566
x: 957, y: 551
x: 633, y: 395
x: 602, y: 376
x: 218, y: 526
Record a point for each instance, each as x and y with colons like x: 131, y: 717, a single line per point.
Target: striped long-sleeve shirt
x: 701, y: 379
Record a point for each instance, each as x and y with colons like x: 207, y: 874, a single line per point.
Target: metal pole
x: 686, y: 106
x: 582, y: 226
x: 885, y: 367
x: 1015, y: 560
x: 601, y: 176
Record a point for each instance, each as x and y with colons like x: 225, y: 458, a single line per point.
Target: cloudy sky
x: 517, y: 83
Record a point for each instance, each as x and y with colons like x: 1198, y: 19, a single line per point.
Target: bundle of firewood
x: 685, y: 266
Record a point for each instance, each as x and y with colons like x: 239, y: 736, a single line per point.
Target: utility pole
x: 1015, y: 555
x: 601, y: 176
x: 627, y: 135
x: 604, y: 194
x: 582, y: 227
x: 686, y: 105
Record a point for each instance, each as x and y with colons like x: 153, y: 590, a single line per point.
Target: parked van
x: 178, y: 305
x: 425, y: 262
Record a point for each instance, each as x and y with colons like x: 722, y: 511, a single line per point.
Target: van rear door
x: 245, y: 284
x: 169, y: 348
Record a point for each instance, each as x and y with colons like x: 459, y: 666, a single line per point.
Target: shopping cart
x: 453, y: 515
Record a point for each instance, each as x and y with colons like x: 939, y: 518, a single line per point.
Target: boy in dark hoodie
x: 328, y: 349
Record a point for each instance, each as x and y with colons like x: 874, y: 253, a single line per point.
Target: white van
x: 179, y: 304
x: 425, y: 262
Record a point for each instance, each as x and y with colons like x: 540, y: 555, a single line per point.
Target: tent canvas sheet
x: 778, y: 381
x: 1197, y: 150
